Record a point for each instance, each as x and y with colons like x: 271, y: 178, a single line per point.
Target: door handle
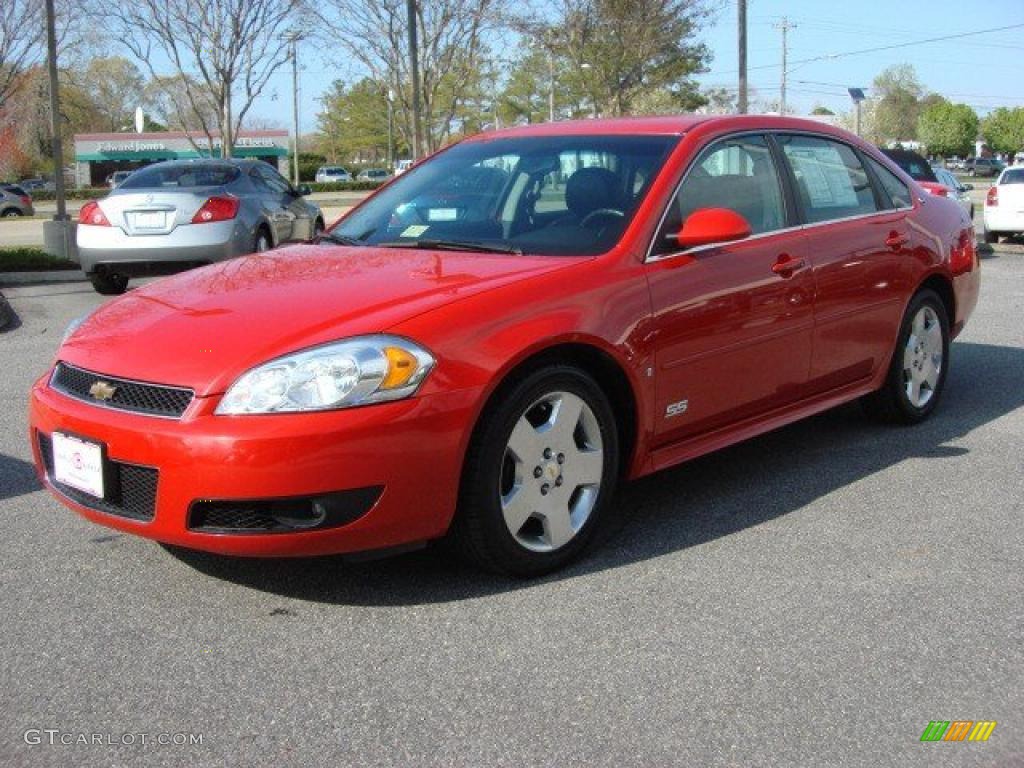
x: 786, y: 265
x: 896, y: 239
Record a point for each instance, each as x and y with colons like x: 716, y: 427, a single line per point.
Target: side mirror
x: 305, y: 190
x: 711, y: 225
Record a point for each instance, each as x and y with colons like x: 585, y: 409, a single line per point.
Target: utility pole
x: 741, y: 100
x: 295, y: 108
x: 785, y: 26
x: 414, y: 68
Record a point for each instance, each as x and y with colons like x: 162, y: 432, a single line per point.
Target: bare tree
x: 451, y: 53
x: 22, y: 42
x: 220, y: 50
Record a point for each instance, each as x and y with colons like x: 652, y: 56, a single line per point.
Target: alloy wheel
x: 552, y: 472
x: 922, y: 357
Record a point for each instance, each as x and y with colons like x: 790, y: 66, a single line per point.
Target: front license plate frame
x: 80, y: 463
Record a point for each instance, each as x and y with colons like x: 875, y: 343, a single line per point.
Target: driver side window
x: 738, y: 174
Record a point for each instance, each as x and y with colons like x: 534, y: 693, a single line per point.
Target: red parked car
x: 488, y: 344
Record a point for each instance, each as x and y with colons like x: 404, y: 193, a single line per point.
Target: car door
x: 732, y: 321
x: 856, y: 233
x: 276, y: 198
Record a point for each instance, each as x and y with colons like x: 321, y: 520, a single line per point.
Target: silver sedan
x: 181, y: 213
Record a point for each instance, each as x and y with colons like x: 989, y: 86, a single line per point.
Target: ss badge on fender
x: 675, y: 409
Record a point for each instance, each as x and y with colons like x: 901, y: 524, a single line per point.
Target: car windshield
x: 1013, y: 176
x: 182, y: 176
x: 551, y: 195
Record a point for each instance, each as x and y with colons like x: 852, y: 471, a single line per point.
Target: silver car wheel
x: 262, y: 242
x: 552, y: 472
x: 922, y: 357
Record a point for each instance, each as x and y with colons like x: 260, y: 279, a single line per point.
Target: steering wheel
x: 601, y: 212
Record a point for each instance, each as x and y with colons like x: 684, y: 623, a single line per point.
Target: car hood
x: 201, y: 329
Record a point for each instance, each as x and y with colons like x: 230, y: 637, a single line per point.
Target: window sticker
x: 415, y: 230
x: 442, y: 214
x: 825, y: 176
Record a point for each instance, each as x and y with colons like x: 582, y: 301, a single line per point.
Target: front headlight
x: 359, y: 371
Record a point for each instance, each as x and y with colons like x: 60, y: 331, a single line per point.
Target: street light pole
x: 58, y: 149
x: 414, y: 68
x: 741, y: 100
x: 391, y: 130
x: 551, y: 85
x: 295, y: 109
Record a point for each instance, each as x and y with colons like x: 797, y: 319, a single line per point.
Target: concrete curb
x: 42, y: 277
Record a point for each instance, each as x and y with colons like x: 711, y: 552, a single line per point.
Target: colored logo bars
x: 958, y: 730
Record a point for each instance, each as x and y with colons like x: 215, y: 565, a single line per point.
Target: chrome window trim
x: 651, y: 257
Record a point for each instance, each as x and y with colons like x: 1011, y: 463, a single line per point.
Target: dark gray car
x: 181, y: 213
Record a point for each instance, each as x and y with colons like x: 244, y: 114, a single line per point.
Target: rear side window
x: 895, y: 189
x: 831, y: 182
x: 181, y: 176
x: 1013, y: 176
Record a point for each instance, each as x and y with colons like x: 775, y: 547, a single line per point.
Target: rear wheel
x: 9, y: 212
x: 540, y: 474
x: 919, y: 364
x: 109, y: 283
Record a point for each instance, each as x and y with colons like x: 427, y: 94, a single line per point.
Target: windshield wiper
x: 452, y: 245
x: 330, y: 237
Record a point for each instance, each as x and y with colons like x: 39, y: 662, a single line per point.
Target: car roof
x: 664, y: 125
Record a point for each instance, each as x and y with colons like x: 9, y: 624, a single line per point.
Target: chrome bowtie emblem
x: 102, y: 390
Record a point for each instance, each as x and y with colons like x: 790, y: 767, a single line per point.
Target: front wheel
x: 919, y: 364
x: 540, y: 474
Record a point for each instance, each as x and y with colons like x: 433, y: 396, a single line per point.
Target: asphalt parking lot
x: 811, y: 598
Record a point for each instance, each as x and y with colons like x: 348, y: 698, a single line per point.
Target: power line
x: 877, y: 49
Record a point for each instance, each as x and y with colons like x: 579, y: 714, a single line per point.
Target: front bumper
x: 412, y: 449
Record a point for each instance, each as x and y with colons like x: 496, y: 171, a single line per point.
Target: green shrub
x: 344, y: 186
x: 85, y: 193
x: 26, y: 259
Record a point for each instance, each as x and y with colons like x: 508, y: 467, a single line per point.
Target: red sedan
x: 487, y: 345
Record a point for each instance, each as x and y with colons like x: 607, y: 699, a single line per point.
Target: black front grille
x: 126, y: 395
x: 131, y: 492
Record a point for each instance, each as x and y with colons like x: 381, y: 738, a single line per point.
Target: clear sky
x: 984, y: 71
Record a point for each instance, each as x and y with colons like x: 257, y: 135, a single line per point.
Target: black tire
x: 479, y: 532
x: 109, y: 284
x: 10, y: 213
x: 892, y: 403
x: 991, y: 237
x: 318, y: 228
x: 262, y: 237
